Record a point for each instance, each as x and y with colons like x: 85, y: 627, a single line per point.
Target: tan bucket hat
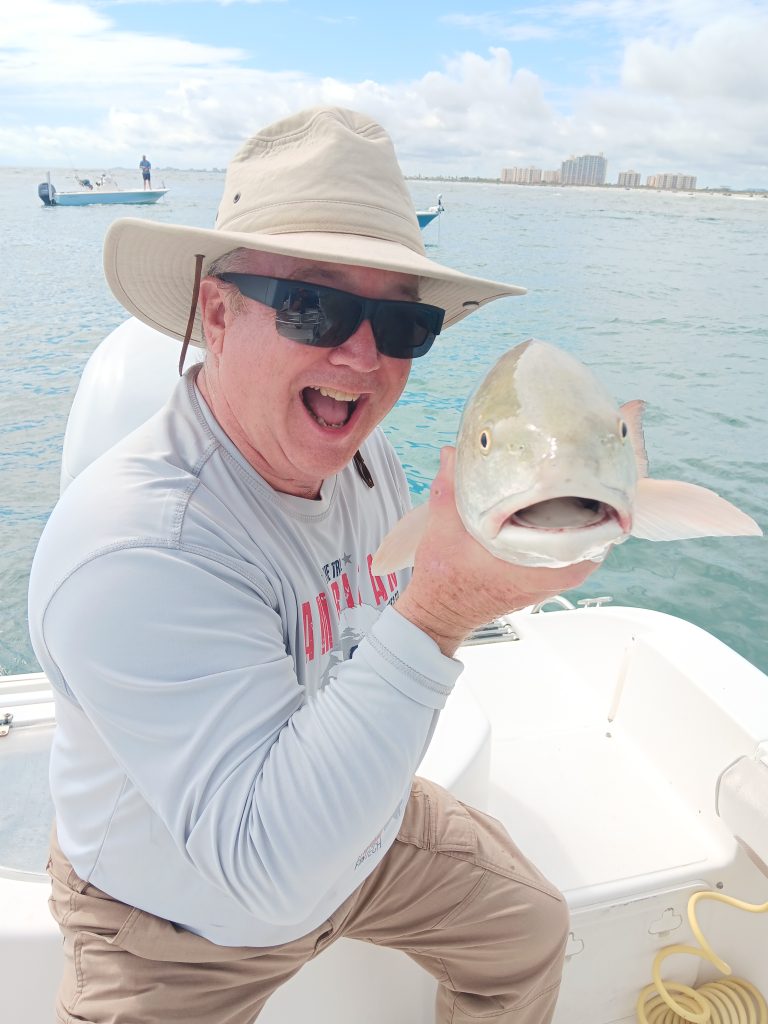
x: 323, y: 184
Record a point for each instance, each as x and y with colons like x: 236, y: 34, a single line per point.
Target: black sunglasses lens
x: 343, y: 313
x: 403, y: 330
x: 326, y: 317
x: 322, y: 317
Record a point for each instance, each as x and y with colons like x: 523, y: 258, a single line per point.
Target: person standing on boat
x: 146, y: 171
x: 242, y: 704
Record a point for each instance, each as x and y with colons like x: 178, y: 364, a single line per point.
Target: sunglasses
x: 314, y: 314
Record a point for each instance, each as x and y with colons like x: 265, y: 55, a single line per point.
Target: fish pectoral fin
x: 632, y: 413
x: 398, y: 548
x: 673, y: 510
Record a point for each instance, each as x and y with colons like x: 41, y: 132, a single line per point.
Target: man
x: 241, y: 703
x: 146, y: 171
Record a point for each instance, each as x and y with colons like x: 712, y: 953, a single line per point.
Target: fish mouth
x: 555, y: 530
x: 562, y: 513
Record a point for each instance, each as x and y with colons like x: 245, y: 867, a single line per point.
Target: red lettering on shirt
x: 326, y: 634
x: 336, y: 593
x: 309, y: 633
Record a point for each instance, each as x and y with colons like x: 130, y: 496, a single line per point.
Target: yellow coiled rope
x: 728, y: 1001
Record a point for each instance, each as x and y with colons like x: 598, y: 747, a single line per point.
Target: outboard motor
x: 127, y: 378
x: 47, y: 193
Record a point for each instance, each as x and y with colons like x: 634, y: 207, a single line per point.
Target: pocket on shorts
x: 435, y: 820
x: 154, y: 938
x: 84, y: 911
x: 78, y: 905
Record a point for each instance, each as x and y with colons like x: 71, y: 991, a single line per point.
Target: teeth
x: 340, y: 396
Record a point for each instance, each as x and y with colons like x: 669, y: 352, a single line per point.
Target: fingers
x: 537, y: 583
x: 569, y: 576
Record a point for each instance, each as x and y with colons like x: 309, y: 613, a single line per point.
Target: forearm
x: 435, y: 618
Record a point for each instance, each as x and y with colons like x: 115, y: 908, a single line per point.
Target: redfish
x: 551, y: 471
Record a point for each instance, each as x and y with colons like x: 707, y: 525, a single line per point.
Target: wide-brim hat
x: 322, y: 185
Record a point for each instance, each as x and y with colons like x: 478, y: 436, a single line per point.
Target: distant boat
x: 99, y: 192
x: 427, y: 216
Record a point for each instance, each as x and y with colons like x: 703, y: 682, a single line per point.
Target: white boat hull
x: 132, y: 197
x: 599, y: 738
x: 97, y: 193
x: 426, y: 217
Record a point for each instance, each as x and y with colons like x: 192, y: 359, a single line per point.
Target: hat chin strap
x: 362, y: 470
x: 192, y: 310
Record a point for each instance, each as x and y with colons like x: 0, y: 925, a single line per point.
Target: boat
x: 625, y: 749
x: 427, y: 216
x: 102, y: 191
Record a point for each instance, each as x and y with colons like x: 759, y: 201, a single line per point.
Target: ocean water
x: 663, y: 295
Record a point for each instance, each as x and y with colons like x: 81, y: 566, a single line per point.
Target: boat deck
x: 599, y: 737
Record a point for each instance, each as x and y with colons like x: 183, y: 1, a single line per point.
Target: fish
x: 550, y: 471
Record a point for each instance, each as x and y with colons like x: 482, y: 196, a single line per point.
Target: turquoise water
x: 663, y: 295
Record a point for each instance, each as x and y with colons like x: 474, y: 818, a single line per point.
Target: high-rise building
x: 521, y: 176
x: 674, y: 182
x: 584, y: 170
x: 550, y: 177
x: 629, y: 179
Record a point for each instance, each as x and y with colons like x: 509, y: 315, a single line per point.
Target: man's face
x: 298, y: 413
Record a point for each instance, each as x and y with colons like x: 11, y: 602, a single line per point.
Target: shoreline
x: 639, y: 189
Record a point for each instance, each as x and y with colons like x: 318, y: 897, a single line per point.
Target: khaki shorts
x: 453, y: 892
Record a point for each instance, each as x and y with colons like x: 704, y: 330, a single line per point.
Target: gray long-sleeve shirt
x: 239, y: 710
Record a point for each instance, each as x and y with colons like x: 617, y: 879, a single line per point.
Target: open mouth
x: 328, y: 407
x: 560, y: 514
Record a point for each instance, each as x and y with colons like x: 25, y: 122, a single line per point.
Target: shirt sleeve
x: 180, y: 664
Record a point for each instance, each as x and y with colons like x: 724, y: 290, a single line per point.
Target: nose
x: 358, y: 351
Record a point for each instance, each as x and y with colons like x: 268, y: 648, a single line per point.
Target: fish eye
x: 624, y: 428
x: 485, y: 441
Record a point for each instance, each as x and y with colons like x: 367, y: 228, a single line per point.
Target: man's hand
x: 457, y: 585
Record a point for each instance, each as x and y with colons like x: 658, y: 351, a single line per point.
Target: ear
x: 212, y: 302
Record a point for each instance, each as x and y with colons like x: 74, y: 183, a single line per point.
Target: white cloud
x: 658, y: 15
x: 501, y: 29
x: 68, y: 54
x: 726, y: 60
x: 571, y: 20
x: 691, y: 100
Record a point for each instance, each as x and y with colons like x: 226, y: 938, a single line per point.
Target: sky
x: 463, y: 88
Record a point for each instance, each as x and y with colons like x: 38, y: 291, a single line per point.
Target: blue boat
x: 99, y: 192
x: 427, y: 216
